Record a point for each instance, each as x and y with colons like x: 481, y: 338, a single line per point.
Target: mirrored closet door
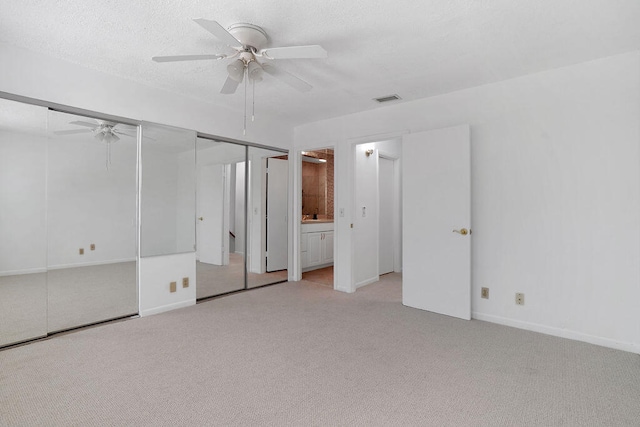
x: 268, y: 219
x: 91, y: 217
x: 23, y: 228
x: 220, y: 224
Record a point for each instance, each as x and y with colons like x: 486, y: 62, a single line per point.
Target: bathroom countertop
x: 316, y: 221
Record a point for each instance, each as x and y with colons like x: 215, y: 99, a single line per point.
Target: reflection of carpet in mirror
x: 321, y: 275
x: 83, y: 295
x: 33, y: 304
x: 219, y: 279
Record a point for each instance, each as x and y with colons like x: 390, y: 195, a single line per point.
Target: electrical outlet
x: 93, y: 247
x: 172, y: 287
x: 484, y: 293
x: 81, y: 251
x: 185, y: 282
x: 519, y: 299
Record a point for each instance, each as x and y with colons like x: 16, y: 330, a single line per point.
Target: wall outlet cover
x: 172, y: 287
x: 519, y: 298
x: 81, y: 251
x: 484, y: 293
x: 185, y: 282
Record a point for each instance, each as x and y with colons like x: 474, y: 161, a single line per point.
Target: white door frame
x: 343, y: 267
x: 295, y: 187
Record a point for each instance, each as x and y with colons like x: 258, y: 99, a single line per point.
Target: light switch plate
x: 172, y: 287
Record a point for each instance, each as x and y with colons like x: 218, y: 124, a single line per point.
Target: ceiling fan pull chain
x: 253, y: 100
x: 106, y: 160
x: 244, y: 130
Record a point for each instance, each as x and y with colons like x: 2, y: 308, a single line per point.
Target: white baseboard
x: 25, y: 271
x: 91, y: 263
x: 168, y: 307
x: 558, y: 332
x: 367, y: 281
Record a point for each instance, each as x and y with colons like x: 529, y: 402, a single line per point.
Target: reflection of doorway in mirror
x: 277, y: 225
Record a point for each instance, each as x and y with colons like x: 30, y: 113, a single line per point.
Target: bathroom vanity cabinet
x: 316, y: 245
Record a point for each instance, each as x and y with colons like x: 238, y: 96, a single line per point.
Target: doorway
x: 377, y: 228
x: 317, y: 210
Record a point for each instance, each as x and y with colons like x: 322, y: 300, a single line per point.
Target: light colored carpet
x: 303, y: 354
x: 214, y: 280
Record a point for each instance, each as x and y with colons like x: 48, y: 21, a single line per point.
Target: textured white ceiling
x: 415, y: 48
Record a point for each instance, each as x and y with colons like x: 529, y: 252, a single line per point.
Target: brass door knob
x: 462, y: 231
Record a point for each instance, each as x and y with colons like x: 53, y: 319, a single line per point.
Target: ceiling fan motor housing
x: 249, y: 35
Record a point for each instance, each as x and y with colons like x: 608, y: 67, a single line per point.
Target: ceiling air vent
x: 387, y: 98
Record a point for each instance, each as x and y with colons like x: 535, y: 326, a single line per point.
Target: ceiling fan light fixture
x: 255, y: 71
x: 236, y: 70
x: 110, y: 137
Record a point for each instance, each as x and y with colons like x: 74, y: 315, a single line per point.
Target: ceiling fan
x: 103, y: 130
x: 251, y: 56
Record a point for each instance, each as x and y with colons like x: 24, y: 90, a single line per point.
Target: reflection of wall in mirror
x: 88, y: 204
x: 22, y: 203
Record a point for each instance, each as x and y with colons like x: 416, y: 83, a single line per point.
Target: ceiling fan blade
x: 230, y: 86
x: 176, y: 58
x: 219, y: 31
x: 288, y: 78
x: 87, y: 124
x: 71, y: 132
x: 294, y: 52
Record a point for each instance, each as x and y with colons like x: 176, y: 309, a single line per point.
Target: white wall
x: 155, y: 276
x: 555, y: 193
x: 365, y: 224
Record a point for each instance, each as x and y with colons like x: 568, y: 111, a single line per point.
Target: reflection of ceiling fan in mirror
x: 251, y: 56
x: 102, y: 130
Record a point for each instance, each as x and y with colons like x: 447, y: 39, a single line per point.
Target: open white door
x: 213, y: 223
x: 436, y: 213
x: 277, y: 184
